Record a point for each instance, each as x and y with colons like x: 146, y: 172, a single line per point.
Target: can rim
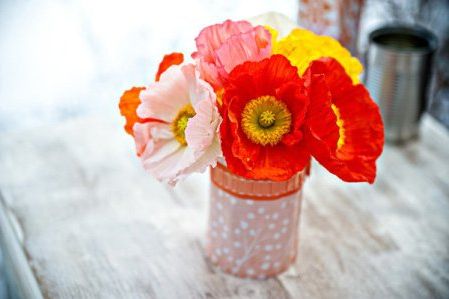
x: 415, y: 31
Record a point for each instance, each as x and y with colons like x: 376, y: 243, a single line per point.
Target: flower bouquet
x: 255, y: 108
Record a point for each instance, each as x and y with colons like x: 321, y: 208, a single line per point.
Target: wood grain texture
x: 96, y: 226
x: 19, y: 278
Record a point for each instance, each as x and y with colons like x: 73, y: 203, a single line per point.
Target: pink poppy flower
x: 221, y: 47
x: 184, y: 138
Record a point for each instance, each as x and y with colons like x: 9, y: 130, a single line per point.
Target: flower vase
x: 253, y: 224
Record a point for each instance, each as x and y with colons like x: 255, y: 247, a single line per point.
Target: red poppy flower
x: 130, y: 100
x: 343, y: 128
x: 264, y: 107
x: 169, y: 60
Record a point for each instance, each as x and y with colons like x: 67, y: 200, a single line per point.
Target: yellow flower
x: 274, y: 34
x: 302, y: 46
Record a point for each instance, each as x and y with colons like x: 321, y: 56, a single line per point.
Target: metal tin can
x: 398, y: 74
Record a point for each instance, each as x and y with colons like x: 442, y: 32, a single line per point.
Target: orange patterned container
x: 253, y: 225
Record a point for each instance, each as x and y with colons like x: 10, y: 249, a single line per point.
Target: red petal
x: 254, y: 79
x: 272, y: 76
x: 294, y: 96
x: 321, y: 120
x: 363, y: 139
x: 280, y: 162
x: 169, y: 60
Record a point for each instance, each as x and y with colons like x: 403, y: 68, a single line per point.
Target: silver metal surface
x: 399, y: 64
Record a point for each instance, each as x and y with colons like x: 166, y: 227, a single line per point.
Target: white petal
x: 202, y: 128
x: 208, y: 158
x: 162, y: 149
x: 163, y: 99
x: 165, y: 169
x: 198, y: 89
x: 147, y: 134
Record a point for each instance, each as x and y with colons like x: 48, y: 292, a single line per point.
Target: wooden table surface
x: 92, y: 224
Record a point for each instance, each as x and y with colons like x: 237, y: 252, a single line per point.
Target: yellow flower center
x: 340, y: 124
x: 179, y: 124
x: 265, y: 120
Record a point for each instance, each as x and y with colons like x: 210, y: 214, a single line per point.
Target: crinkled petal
x: 209, y: 157
x: 294, y: 95
x: 148, y: 135
x: 222, y: 46
x: 279, y: 163
x: 348, y: 137
x: 212, y: 37
x: 321, y: 121
x: 273, y: 76
x: 161, y: 153
x: 163, y: 99
x: 130, y: 100
x: 202, y: 128
x: 198, y: 88
x: 169, y: 60
x: 302, y: 47
x: 251, y: 80
x: 165, y: 170
x: 128, y: 104
x: 253, y: 45
x: 162, y: 156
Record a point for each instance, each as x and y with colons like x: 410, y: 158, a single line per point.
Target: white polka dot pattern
x: 252, y: 238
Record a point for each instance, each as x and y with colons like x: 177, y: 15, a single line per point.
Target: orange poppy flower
x: 264, y: 106
x: 130, y: 100
x: 343, y: 127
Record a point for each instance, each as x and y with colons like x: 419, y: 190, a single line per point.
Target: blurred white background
x: 61, y: 59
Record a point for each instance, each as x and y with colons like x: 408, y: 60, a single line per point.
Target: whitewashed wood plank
x: 96, y: 226
x: 21, y: 281
x: 389, y: 240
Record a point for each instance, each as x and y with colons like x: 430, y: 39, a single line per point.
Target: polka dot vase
x: 253, y: 225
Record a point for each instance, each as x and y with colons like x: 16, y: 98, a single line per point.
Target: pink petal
x: 198, y: 88
x: 161, y: 154
x: 166, y: 170
x: 253, y: 45
x: 203, y: 127
x: 174, y: 166
x: 211, y: 73
x: 148, y: 136
x: 163, y: 99
x: 155, y: 156
x: 208, y: 158
x: 212, y: 37
x: 223, y: 46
